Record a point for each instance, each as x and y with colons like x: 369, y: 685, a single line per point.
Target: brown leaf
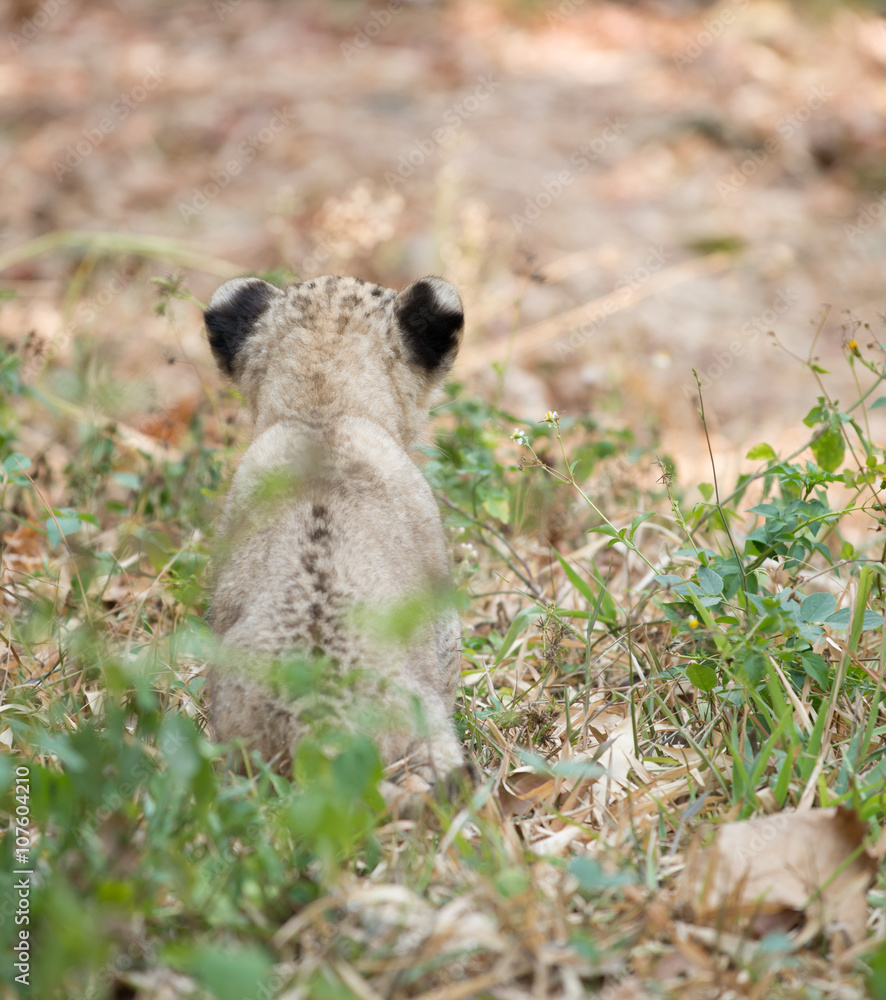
x: 774, y: 869
x: 171, y: 424
x: 22, y: 549
x: 523, y: 790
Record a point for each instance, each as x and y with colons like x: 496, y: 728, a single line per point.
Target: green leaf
x: 711, y: 582
x: 7, y: 779
x: 812, y: 633
x: 842, y: 618
x: 761, y: 451
x: 496, y: 505
x: 65, y: 523
x: 228, y: 971
x: 599, y: 602
x: 829, y: 449
x: 16, y: 462
x: 870, y: 620
x: 817, y: 607
x: 755, y: 666
x: 638, y: 520
x: 607, y: 529
x: 667, y: 579
x: 577, y: 580
x: 820, y: 370
x: 876, y: 978
x: 765, y: 510
x: 706, y: 490
x: 592, y: 877
x: 128, y: 479
x: 878, y: 403
x: 815, y: 415
x: 158, y: 548
x: 862, y: 594
x: 511, y: 882
x: 574, y: 768
x: 839, y: 619
x: 816, y: 667
x: 702, y: 676
x: 522, y: 619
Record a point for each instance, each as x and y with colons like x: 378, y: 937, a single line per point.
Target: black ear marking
x: 231, y: 316
x: 431, y: 316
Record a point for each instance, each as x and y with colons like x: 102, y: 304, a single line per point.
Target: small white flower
x: 552, y: 418
x: 519, y: 436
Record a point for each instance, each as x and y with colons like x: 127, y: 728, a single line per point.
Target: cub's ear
x: 231, y: 317
x: 431, y: 317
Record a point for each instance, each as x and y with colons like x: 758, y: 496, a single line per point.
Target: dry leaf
x: 523, y: 789
x: 618, y: 760
x: 774, y: 870
x: 22, y: 549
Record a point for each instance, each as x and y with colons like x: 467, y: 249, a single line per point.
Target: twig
x: 537, y: 593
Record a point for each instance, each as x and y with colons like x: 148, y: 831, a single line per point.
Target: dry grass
x: 602, y: 764
x: 583, y: 863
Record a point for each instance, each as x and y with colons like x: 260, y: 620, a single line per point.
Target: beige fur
x: 329, y: 526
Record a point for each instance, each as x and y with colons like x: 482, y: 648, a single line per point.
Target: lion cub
x: 329, y: 527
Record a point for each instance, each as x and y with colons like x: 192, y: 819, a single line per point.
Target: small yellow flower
x: 853, y: 346
x: 694, y: 623
x: 883, y: 483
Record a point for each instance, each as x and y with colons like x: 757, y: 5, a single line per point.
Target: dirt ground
x: 721, y: 166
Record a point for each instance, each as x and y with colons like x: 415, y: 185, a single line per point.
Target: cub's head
x: 334, y: 347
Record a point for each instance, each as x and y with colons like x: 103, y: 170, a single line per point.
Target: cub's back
x: 329, y: 526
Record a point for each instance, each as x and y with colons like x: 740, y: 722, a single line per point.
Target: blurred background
x: 622, y: 192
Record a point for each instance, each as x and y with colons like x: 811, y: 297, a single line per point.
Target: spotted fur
x: 329, y: 522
